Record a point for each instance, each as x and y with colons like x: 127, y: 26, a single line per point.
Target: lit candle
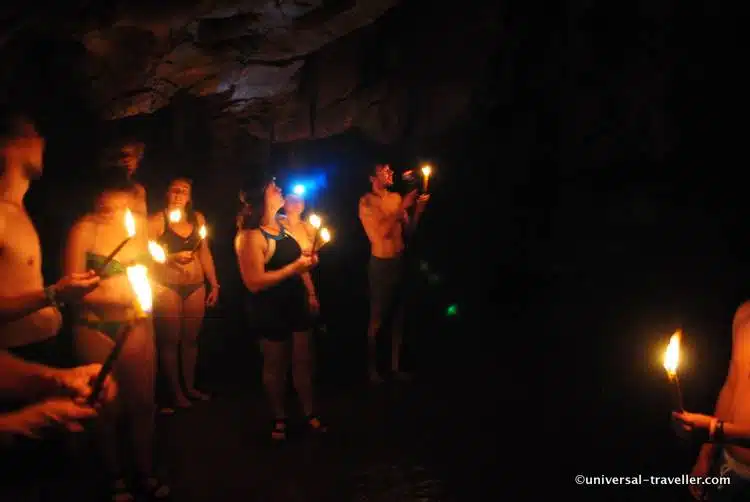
x: 315, y: 221
x: 325, y: 236
x: 158, y: 254
x: 671, y: 362
x: 426, y: 172
x: 138, y: 277
x: 175, y: 216
x: 130, y: 228
x: 202, y: 233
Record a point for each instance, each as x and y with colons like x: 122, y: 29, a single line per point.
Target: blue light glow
x: 299, y: 189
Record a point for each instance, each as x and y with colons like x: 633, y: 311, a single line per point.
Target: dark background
x: 596, y: 206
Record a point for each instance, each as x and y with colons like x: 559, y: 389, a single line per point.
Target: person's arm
x: 726, y: 395
x: 252, y: 266
x: 17, y: 307
x: 206, y: 257
x: 155, y: 226
x: 25, y: 380
x: 309, y: 284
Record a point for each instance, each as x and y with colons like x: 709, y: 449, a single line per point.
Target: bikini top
x: 174, y: 242
x: 94, y: 261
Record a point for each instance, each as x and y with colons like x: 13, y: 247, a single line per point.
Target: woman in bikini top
x: 181, y: 301
x: 101, y: 316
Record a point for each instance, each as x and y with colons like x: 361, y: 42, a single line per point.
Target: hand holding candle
x: 315, y: 222
x: 130, y: 228
x: 671, y: 362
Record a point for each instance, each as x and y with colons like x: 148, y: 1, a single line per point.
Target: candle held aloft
x: 130, y: 229
x: 426, y: 172
x: 671, y: 364
x: 325, y: 237
x: 315, y: 221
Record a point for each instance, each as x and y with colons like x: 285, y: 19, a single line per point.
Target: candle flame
x: 426, y: 170
x: 175, y: 216
x: 157, y: 252
x: 672, y: 354
x: 203, y: 232
x: 315, y: 221
x: 129, y: 223
x: 138, y: 277
x: 325, y: 234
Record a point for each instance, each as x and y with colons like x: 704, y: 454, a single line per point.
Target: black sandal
x: 279, y: 429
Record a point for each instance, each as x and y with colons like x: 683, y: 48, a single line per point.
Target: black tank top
x: 175, y: 243
x: 287, y: 251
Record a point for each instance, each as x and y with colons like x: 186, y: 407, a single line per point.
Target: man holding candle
x: 728, y: 448
x: 29, y: 317
x: 384, y: 216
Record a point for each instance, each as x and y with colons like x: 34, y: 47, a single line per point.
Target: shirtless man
x: 29, y: 317
x: 733, y: 413
x: 384, y: 216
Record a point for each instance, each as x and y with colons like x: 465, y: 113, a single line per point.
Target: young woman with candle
x: 181, y: 303
x: 272, y: 265
x: 104, y: 313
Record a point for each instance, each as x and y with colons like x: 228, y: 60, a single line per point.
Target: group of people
x: 275, y: 255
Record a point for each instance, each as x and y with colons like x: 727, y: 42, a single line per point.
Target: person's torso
x: 181, y: 237
x: 392, y: 244
x: 285, y: 250
x: 21, y: 270
x: 740, y: 408
x: 299, y: 232
x: 114, y: 289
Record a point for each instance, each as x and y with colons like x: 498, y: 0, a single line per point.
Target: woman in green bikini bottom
x: 100, y: 315
x: 181, y: 298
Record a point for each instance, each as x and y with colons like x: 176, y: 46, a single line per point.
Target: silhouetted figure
x: 384, y: 216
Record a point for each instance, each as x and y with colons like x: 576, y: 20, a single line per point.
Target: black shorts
x: 386, y: 277
x: 275, y: 317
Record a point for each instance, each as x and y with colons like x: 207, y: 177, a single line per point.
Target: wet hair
x: 252, y: 203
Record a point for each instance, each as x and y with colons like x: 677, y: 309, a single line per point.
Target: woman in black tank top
x: 179, y: 305
x: 271, y: 264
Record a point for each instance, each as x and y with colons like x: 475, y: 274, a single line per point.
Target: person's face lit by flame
x: 294, y: 205
x: 130, y: 157
x: 383, y: 177
x: 274, y: 198
x: 112, y: 205
x: 178, y: 195
x: 26, y: 149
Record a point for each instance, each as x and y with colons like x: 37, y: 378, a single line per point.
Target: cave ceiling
x: 285, y: 70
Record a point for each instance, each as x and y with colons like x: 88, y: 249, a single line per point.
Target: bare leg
x: 168, y: 309
x: 136, y: 372
x: 302, y: 362
x: 275, y: 366
x: 194, y: 309
x: 92, y: 346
